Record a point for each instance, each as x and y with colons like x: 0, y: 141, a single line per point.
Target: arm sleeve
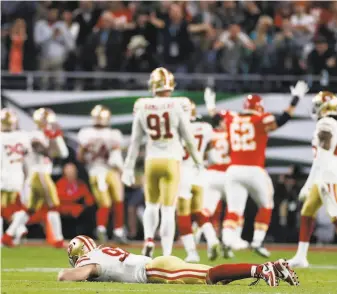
x: 186, y: 134
x: 283, y: 119
x: 62, y: 150
x: 136, y: 138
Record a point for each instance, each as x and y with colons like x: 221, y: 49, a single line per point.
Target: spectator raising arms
x: 55, y: 42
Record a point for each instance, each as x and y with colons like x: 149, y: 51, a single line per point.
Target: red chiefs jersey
x: 248, y: 137
x: 218, y: 156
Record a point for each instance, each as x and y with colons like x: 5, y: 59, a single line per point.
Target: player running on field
x: 191, y: 194
x: 106, y: 264
x: 164, y: 123
x: 248, y: 132
x: 321, y: 185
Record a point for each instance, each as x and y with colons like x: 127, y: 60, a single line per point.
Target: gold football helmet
x: 78, y: 247
x: 9, y: 120
x: 161, y: 80
x: 320, y: 99
x: 43, y: 117
x: 328, y: 108
x: 101, y: 115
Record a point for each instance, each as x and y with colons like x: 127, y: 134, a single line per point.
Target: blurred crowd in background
x: 264, y: 37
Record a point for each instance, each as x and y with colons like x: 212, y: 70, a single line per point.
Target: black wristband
x: 295, y: 101
x: 283, y: 119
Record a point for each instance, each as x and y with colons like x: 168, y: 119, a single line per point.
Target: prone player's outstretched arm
x: 78, y: 274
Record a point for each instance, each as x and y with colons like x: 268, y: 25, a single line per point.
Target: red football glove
x: 52, y: 131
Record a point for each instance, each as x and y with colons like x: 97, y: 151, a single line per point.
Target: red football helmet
x: 253, y: 104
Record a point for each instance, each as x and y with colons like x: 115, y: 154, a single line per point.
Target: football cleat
x: 262, y: 251
x: 296, y: 262
x: 240, y: 244
x: 20, y: 233
x: 101, y: 234
x: 192, y: 257
x: 227, y: 252
x: 7, y: 240
x: 267, y: 273
x: 148, y: 248
x: 213, y: 252
x: 121, y: 240
x: 285, y: 273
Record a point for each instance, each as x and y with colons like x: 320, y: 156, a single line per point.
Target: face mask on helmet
x: 78, y: 247
x: 329, y: 108
x: 101, y: 115
x: 319, y: 101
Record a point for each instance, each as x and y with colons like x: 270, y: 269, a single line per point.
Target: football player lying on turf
x: 106, y: 264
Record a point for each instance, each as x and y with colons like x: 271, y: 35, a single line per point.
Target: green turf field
x: 34, y: 270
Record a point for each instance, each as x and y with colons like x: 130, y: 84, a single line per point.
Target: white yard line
x: 56, y: 270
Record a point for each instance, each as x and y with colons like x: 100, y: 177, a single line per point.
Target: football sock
x: 150, y: 220
x: 184, y: 225
x: 102, y: 216
x: 1, y: 226
x: 118, y: 214
x: 306, y: 228
x: 261, y: 225
x: 19, y: 234
x: 231, y: 272
x: 189, y: 243
x: 302, y: 250
x: 239, y: 228
x: 54, y: 219
x: 19, y: 218
x: 200, y: 218
x: 210, y: 234
x: 258, y: 238
x: 229, y: 228
x: 167, y: 229
x: 215, y: 218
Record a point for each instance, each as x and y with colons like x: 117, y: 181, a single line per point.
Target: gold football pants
x: 173, y: 270
x: 8, y: 198
x: 110, y: 192
x: 40, y: 190
x: 162, y: 181
x: 189, y: 206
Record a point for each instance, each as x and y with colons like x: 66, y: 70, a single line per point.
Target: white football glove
x: 301, y: 88
x: 209, y: 98
x: 128, y: 177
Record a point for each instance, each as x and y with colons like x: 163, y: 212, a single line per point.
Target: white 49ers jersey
x: 14, y: 147
x: 327, y: 159
x: 116, y: 265
x: 165, y: 123
x: 202, y: 133
x: 98, y: 143
x: 37, y: 162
